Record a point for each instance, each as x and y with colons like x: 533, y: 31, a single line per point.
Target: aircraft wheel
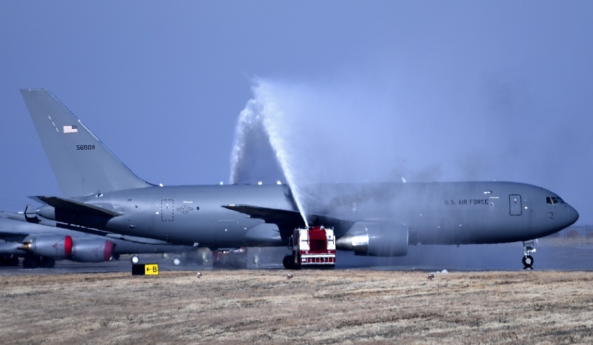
x: 527, y: 262
x: 29, y: 262
x: 287, y: 262
x: 176, y: 261
x: 14, y: 261
x: 46, y: 262
x: 134, y: 259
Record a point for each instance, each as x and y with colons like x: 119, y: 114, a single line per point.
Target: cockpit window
x: 554, y: 200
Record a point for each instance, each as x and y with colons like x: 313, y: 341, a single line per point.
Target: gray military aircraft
x: 380, y: 219
x: 43, y: 243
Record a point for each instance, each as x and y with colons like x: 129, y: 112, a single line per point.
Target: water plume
x: 262, y: 118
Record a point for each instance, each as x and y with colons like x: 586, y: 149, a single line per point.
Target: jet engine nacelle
x: 46, y: 212
x: 92, y: 250
x: 51, y: 246
x: 376, y: 239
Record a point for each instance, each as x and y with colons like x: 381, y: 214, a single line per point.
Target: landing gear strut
x: 528, y: 248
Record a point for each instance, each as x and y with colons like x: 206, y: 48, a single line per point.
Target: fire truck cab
x: 311, y: 247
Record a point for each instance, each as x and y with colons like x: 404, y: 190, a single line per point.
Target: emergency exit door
x: 167, y: 211
x: 515, y: 204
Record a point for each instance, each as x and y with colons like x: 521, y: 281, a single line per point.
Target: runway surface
x: 505, y: 257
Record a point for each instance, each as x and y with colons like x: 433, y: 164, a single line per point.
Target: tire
x: 297, y: 261
x: 14, y: 261
x: 528, y: 261
x: 47, y: 263
x: 287, y: 262
x: 29, y: 262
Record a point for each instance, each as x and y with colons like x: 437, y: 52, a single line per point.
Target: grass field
x: 324, y: 307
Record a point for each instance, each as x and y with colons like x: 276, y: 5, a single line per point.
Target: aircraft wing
x: 77, y: 206
x: 11, y: 233
x: 139, y: 240
x: 285, y: 219
x: 288, y: 220
x: 17, y: 231
x: 10, y: 236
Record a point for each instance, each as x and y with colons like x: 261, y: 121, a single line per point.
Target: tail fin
x: 80, y: 161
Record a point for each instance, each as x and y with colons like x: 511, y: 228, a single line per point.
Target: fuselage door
x: 515, y: 204
x: 167, y: 209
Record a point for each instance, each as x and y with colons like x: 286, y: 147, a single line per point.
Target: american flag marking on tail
x: 70, y: 129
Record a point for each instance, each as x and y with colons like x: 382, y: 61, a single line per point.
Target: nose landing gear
x: 528, y: 248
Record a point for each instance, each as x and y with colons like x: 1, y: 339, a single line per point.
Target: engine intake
x: 376, y: 239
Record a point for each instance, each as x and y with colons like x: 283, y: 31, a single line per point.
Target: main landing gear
x: 38, y: 261
x: 9, y: 260
x: 528, y: 248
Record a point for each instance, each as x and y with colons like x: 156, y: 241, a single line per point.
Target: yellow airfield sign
x: 145, y: 270
x: 151, y: 269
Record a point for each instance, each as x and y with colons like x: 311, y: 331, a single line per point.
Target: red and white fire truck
x: 312, y: 247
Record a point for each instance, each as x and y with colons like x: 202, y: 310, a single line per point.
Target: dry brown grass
x: 350, y: 306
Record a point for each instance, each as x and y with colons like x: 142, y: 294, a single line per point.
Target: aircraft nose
x: 572, y: 215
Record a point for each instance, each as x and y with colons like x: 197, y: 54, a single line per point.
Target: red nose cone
x: 68, y: 246
x: 108, y: 253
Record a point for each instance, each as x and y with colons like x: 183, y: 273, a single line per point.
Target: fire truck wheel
x: 297, y: 261
x: 287, y: 262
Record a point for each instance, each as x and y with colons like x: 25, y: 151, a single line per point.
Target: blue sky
x: 498, y: 90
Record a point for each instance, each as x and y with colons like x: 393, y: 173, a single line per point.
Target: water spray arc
x: 262, y: 116
x: 246, y: 126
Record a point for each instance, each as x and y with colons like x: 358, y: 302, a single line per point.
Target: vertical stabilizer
x: 81, y: 162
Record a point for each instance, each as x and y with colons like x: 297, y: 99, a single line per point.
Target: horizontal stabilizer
x: 77, y: 206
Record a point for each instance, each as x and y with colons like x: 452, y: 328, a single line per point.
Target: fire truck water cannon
x: 312, y: 247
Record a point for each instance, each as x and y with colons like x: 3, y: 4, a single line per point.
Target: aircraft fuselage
x: 434, y: 213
